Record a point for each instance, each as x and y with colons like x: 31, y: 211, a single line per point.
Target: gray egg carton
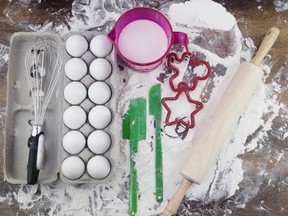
x: 20, y: 113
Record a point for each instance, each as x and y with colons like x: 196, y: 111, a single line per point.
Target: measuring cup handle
x: 112, y: 35
x: 180, y: 38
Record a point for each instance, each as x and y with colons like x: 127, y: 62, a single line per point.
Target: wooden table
x: 253, y: 17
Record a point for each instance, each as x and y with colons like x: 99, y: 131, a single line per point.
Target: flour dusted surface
x: 216, y: 39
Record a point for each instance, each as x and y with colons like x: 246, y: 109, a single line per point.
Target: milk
x: 143, y: 41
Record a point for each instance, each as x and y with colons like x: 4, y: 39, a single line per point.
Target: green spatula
x: 134, y: 129
x: 155, y: 109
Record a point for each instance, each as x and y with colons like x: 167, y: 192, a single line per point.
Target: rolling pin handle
x: 176, y: 200
x: 266, y: 44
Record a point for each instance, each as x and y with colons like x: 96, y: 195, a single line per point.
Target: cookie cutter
x: 184, y: 87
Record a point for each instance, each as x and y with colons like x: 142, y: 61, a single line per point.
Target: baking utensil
x: 126, y: 125
x: 155, y: 109
x: 134, y: 129
x: 217, y: 129
x: 156, y: 17
x: 173, y: 57
x: 183, y: 87
x: 43, y: 63
x: 198, y: 106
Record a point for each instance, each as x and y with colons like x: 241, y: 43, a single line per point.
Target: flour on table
x: 213, y: 36
x: 281, y: 5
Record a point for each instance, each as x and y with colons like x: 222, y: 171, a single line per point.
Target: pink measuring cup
x: 155, y: 16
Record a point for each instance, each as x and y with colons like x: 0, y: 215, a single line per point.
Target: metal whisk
x: 43, y: 63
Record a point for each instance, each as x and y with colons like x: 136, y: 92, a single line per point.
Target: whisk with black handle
x: 43, y: 64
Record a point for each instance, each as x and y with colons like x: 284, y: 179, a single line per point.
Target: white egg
x: 99, y: 92
x: 99, y: 117
x: 99, y: 142
x: 98, y: 167
x: 75, y: 93
x: 73, y: 167
x: 74, y: 117
x: 75, y: 69
x: 100, y: 69
x: 100, y: 45
x: 76, y: 45
x: 74, y: 142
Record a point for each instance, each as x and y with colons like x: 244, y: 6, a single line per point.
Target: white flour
x: 219, y: 41
x: 3, y: 56
x: 281, y: 5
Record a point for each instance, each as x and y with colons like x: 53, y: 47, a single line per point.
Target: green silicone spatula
x: 155, y: 109
x: 134, y: 129
x: 126, y: 126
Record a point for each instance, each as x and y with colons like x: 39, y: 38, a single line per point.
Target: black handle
x: 32, y: 171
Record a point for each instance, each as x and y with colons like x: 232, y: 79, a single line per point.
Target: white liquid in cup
x: 143, y: 41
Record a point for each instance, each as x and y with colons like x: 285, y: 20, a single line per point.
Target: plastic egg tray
x: 20, y: 114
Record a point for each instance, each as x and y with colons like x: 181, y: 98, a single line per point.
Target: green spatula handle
x: 133, y: 180
x: 158, y: 161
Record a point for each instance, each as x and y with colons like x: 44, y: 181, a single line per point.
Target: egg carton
x: 20, y: 113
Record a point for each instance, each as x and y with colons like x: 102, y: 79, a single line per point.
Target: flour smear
x: 281, y: 5
x: 213, y: 36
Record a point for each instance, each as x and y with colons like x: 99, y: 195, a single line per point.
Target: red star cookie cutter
x: 184, y: 87
x: 198, y: 105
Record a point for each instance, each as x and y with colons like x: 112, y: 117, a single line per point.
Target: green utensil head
x: 137, y: 113
x: 155, y: 106
x: 126, y: 126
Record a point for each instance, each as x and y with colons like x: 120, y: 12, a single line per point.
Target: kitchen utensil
x: 183, y: 87
x: 155, y: 109
x: 146, y: 14
x: 188, y: 124
x: 126, y: 125
x: 43, y: 63
x: 173, y: 57
x: 134, y: 129
x: 206, y: 147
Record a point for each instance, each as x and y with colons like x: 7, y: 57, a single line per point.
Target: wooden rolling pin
x: 217, y: 129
